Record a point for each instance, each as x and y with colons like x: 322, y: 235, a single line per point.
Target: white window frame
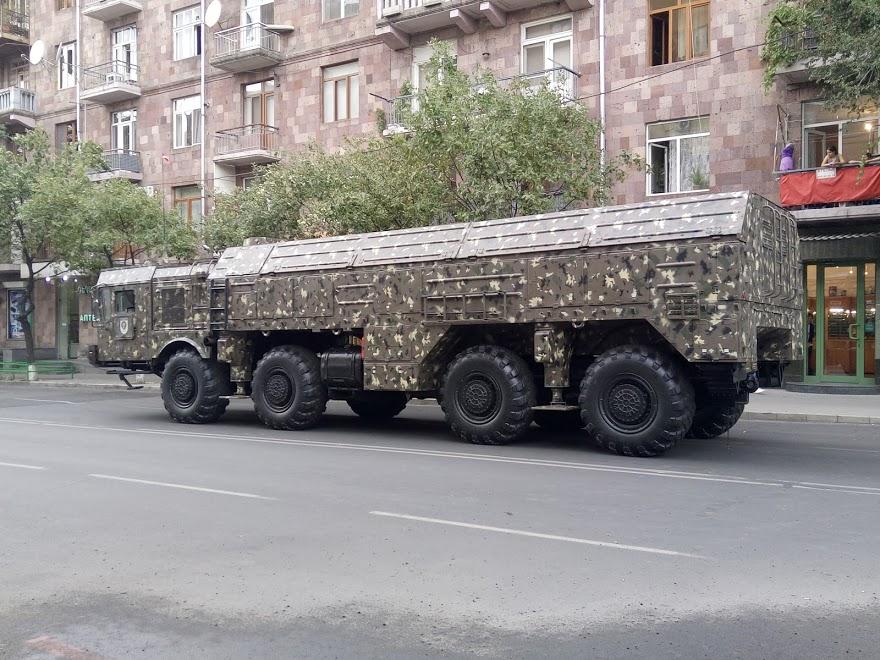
x: 251, y: 7
x: 186, y: 33
x: 676, y: 138
x: 125, y: 55
x: 565, y: 86
x: 189, y: 108
x: 352, y: 100
x: 119, y: 121
x: 343, y: 5
x: 67, y: 71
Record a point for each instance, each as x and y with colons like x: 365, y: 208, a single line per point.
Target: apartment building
x: 676, y: 81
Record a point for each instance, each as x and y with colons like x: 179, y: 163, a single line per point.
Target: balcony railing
x: 244, y: 38
x: 14, y: 22
x: 16, y: 99
x: 843, y: 185
x: 124, y: 160
x: 251, y: 138
x: 117, y: 72
x: 561, y: 80
x: 804, y: 41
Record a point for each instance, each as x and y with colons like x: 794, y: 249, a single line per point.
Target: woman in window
x: 832, y: 157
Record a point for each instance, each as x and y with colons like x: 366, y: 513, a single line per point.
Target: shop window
x: 15, y: 305
x: 679, y: 30
x: 678, y: 155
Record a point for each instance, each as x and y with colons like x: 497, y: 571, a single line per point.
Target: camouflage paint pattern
x: 711, y: 274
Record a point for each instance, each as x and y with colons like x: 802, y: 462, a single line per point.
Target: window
x: 679, y: 30
x: 63, y: 4
x: 341, y: 92
x: 173, y: 307
x: 188, y: 202
x: 547, y: 45
x: 125, y: 52
x: 334, y: 9
x: 678, y: 153
x: 65, y: 134
x: 15, y: 299
x: 67, y: 65
x: 187, y: 121
x: 19, y: 74
x: 123, y: 130
x: 187, y: 24
x: 259, y: 104
x: 853, y: 136
x: 258, y: 11
x: 123, y: 301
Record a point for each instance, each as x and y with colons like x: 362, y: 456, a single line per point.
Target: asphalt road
x: 123, y: 534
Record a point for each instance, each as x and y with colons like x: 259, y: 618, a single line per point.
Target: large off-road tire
x: 378, y: 406
x: 488, y: 394
x: 635, y: 401
x: 287, y: 390
x: 561, y: 421
x: 716, y: 418
x: 191, y: 389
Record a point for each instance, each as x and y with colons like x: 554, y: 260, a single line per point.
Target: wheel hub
x: 278, y: 390
x: 629, y: 405
x: 183, y: 388
x: 479, y: 398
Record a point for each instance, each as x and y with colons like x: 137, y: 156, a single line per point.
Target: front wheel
x: 488, y: 394
x: 191, y: 389
x: 287, y: 389
x: 635, y: 401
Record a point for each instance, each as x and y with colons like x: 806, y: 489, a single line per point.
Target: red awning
x: 828, y: 185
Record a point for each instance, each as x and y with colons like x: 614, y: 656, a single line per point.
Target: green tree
x: 126, y: 224
x: 474, y: 148
x: 845, y: 62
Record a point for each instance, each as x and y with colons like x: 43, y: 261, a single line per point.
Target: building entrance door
x: 841, y: 313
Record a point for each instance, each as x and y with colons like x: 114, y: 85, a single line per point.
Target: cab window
x: 123, y: 301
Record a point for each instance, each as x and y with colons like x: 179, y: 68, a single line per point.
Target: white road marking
x: 69, y: 403
x: 867, y: 451
x: 23, y: 466
x: 182, y: 487
x: 491, y: 458
x: 537, y: 535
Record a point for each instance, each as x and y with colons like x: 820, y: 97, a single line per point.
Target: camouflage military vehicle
x: 637, y: 323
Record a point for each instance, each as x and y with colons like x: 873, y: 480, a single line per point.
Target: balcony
x: 255, y: 144
x: 807, y: 43
x: 110, y: 83
x: 120, y: 164
x: 18, y: 107
x: 828, y: 193
x: 560, y: 80
x: 15, y: 26
x: 110, y: 10
x: 399, y: 19
x: 246, y: 48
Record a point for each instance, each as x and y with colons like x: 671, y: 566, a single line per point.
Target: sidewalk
x: 771, y: 404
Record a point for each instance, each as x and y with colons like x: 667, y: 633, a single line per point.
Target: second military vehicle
x: 639, y: 323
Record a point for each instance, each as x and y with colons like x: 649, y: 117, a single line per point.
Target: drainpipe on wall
x: 204, y: 117
x: 602, y: 80
x: 76, y: 72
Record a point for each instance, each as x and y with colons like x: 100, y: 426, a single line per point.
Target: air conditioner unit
x: 150, y: 191
x: 114, y: 77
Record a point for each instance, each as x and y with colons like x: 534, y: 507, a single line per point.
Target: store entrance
x: 841, y: 314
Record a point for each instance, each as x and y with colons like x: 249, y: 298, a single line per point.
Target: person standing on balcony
x: 786, y: 162
x: 832, y: 157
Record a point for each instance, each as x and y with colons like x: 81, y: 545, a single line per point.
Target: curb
x: 91, y: 386
x: 803, y: 417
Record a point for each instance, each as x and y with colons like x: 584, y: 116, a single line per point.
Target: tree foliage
x: 474, y: 148
x: 845, y: 62
x: 56, y: 218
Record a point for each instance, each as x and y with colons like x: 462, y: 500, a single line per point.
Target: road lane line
x: 182, y: 487
x: 867, y: 451
x: 23, y: 466
x: 837, y: 490
x: 538, y: 535
x: 492, y: 458
x: 70, y: 403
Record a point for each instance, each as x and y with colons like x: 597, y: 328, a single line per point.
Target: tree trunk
x: 29, y: 308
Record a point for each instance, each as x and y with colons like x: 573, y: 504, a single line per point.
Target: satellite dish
x: 37, y: 52
x: 212, y: 13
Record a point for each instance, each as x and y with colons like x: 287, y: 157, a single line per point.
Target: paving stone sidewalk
x: 770, y: 404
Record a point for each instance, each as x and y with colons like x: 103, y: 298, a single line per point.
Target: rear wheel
x: 378, y: 406
x: 636, y: 402
x: 287, y: 389
x: 191, y: 389
x: 488, y: 394
x: 716, y: 418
